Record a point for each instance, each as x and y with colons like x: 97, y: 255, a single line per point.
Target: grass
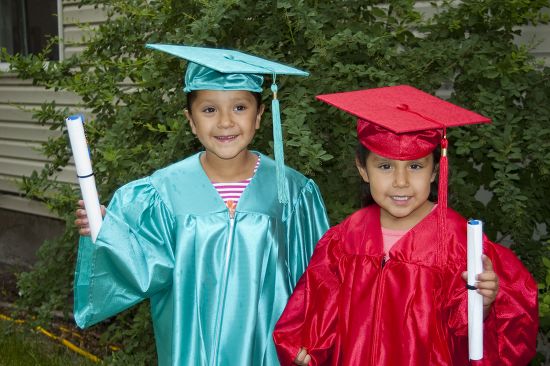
x: 21, y: 346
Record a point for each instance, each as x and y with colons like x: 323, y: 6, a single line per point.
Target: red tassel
x: 442, y: 198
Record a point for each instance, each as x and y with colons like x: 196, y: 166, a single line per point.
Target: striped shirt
x: 231, y: 192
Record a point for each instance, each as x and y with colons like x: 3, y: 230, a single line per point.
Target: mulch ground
x: 88, y: 340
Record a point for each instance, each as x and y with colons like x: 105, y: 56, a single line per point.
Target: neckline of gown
x: 219, y: 201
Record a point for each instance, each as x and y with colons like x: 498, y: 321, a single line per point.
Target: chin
x: 399, y: 212
x: 227, y: 155
x: 399, y: 215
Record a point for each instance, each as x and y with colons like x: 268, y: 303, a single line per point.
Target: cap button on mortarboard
x: 403, y: 107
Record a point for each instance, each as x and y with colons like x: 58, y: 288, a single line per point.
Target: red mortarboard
x: 400, y: 122
x: 404, y: 123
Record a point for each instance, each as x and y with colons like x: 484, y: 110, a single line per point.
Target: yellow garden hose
x: 64, y: 342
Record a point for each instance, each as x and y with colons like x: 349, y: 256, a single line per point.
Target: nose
x: 225, y: 120
x: 400, y: 178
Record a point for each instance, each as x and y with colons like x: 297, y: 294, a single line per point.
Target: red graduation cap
x: 404, y: 123
x: 401, y: 122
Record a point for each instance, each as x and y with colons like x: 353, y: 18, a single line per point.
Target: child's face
x: 400, y: 187
x: 225, y: 121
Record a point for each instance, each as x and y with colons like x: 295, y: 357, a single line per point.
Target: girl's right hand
x: 302, y: 358
x: 82, y: 219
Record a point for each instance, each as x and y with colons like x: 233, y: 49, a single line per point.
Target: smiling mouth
x: 226, y: 138
x: 400, y: 198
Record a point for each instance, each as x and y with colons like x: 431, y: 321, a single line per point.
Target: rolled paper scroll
x: 84, y: 172
x: 475, y: 300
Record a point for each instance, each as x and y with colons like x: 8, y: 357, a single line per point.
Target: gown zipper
x: 223, y: 290
x: 379, y: 290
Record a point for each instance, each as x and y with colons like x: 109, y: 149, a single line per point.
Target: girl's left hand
x: 487, y: 283
x: 302, y: 358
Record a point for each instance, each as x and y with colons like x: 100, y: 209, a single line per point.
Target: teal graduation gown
x: 217, y: 285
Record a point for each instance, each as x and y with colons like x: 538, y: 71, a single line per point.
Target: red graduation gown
x: 351, y: 309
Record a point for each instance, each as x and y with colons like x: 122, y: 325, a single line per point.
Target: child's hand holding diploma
x: 487, y: 284
x: 82, y: 218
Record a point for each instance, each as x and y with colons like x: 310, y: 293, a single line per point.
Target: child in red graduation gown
x: 387, y: 285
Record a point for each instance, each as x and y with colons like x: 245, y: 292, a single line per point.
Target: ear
x: 434, y: 174
x: 362, y: 170
x: 259, y: 115
x: 190, y: 120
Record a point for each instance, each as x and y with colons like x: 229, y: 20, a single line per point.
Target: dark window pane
x: 26, y: 25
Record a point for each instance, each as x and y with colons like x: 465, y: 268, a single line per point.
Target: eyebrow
x: 424, y: 159
x: 236, y: 100
x: 381, y: 159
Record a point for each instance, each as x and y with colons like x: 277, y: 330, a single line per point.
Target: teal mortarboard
x: 223, y: 69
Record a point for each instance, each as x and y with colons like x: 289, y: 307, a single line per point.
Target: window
x: 27, y: 25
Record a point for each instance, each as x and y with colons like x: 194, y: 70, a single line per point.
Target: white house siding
x: 20, y: 135
x: 73, y: 16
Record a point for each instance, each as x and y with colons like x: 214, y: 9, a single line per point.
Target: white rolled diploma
x: 84, y: 172
x: 475, y: 300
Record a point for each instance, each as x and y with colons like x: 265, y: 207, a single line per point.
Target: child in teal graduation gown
x: 217, y: 275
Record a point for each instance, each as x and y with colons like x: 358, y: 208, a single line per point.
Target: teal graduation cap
x: 223, y: 69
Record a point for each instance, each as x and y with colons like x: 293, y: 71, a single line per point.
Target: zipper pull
x: 231, y: 206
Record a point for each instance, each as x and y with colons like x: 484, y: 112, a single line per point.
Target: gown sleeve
x: 510, y: 330
x: 305, y: 225
x: 309, y: 319
x: 132, y: 258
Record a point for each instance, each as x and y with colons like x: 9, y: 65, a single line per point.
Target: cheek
x: 424, y: 185
x: 192, y: 123
x: 377, y: 185
x: 378, y: 193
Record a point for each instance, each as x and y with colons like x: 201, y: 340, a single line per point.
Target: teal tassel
x: 282, y: 185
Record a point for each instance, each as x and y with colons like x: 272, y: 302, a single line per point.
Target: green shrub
x: 346, y: 45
